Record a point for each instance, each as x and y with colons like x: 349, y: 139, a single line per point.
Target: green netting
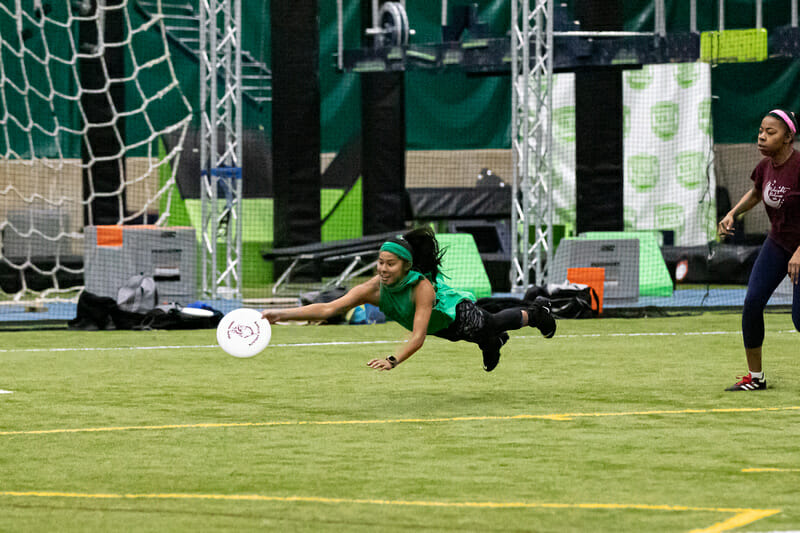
x: 345, y: 221
x: 462, y: 264
x: 256, y: 218
x: 654, y: 278
x: 172, y: 202
x: 257, y: 231
x: 256, y: 235
x: 734, y: 46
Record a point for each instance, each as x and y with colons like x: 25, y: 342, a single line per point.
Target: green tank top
x: 396, y: 302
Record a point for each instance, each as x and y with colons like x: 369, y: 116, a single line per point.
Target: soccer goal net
x: 87, y: 91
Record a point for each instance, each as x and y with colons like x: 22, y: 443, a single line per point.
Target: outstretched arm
x: 749, y: 200
x: 424, y: 297
x: 360, y: 294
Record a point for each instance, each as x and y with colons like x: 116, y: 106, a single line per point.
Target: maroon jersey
x: 780, y: 192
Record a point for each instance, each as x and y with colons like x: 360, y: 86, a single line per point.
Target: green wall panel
x: 346, y: 221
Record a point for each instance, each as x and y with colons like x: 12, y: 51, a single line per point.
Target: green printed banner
x: 667, y: 149
x: 669, y: 175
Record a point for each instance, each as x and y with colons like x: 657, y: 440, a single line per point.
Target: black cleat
x: 491, y: 351
x: 748, y: 382
x: 540, y: 316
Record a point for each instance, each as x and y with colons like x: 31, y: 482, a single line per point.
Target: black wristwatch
x: 392, y: 360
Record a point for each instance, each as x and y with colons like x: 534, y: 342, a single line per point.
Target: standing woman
x: 776, y: 182
x: 410, y: 290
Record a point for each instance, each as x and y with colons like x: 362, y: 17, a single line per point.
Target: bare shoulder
x: 424, y: 285
x: 425, y: 290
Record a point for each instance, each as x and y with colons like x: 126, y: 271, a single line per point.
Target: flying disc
x: 243, y: 333
x: 197, y: 312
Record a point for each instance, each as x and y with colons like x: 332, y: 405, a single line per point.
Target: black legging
x: 768, y: 272
x: 475, y: 324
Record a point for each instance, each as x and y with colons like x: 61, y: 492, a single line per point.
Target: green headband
x: 397, y: 249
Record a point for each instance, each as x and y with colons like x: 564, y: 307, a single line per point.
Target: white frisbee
x: 197, y: 312
x: 243, y: 333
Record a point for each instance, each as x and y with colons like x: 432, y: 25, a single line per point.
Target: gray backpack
x: 138, y: 295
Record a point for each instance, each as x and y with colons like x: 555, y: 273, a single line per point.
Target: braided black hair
x: 427, y: 255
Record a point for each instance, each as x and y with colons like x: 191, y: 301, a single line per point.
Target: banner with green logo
x: 669, y: 175
x: 667, y: 151
x: 563, y: 150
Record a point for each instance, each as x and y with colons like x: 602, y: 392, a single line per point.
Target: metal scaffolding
x: 221, y: 147
x: 531, y: 141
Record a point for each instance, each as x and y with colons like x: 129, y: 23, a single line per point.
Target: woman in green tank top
x: 409, y: 289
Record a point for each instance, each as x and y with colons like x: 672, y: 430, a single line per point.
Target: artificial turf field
x: 613, y: 425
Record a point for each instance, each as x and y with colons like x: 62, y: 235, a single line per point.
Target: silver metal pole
x: 759, y: 14
x: 444, y: 12
x: 794, y: 13
x: 721, y: 4
x: 693, y: 16
x: 519, y: 40
x: 660, y: 18
x: 214, y: 179
x: 531, y: 65
x: 547, y: 255
x: 238, y: 125
x: 339, y: 35
x: 228, y: 110
x: 204, y: 166
x: 594, y: 33
x: 375, y: 22
x: 525, y: 172
x: 221, y: 120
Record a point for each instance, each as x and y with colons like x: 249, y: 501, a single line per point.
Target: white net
x: 87, y: 91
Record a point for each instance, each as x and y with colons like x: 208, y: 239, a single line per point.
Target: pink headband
x: 789, y: 122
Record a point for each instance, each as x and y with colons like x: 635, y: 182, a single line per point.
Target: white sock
x: 757, y: 375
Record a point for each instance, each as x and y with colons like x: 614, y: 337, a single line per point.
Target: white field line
x: 356, y: 343
x: 184, y: 347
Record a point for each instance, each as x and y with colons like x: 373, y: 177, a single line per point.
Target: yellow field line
x: 741, y: 516
x: 557, y: 417
x: 770, y: 469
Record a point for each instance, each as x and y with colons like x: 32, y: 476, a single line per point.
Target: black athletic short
x: 469, y: 325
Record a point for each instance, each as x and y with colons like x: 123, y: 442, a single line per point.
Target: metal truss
x: 221, y: 147
x: 531, y: 141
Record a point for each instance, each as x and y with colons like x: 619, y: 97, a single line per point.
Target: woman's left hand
x: 380, y: 364
x: 794, y: 267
